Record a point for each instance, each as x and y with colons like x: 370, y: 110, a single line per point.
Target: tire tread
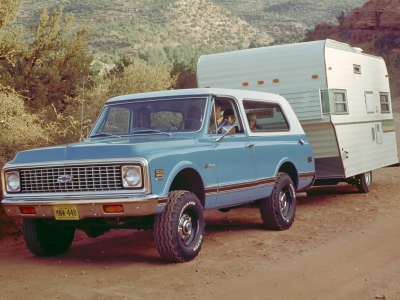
x: 269, y: 211
x: 163, y: 230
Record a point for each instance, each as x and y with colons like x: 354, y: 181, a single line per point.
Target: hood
x: 105, y: 148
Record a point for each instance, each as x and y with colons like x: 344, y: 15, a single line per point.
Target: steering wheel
x: 190, y: 120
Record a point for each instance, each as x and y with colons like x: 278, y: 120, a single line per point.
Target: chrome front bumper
x: 88, y: 208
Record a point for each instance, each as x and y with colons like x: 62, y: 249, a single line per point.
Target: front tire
x: 364, y: 182
x: 46, y: 240
x: 179, y: 229
x: 278, y: 211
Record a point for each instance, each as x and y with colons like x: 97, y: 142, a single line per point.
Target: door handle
x: 249, y: 145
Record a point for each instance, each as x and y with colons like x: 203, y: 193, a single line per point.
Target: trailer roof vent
x: 358, y: 50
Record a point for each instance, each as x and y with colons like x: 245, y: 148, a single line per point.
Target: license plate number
x: 66, y: 212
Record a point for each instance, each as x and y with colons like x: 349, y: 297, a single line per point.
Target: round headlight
x: 13, y: 182
x: 132, y: 177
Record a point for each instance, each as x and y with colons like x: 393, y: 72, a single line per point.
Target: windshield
x: 151, y: 117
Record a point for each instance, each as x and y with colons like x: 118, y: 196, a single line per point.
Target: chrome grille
x: 84, y: 178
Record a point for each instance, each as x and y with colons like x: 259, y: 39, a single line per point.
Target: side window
x: 384, y: 99
x: 265, y: 116
x: 340, y: 98
x: 117, y: 120
x: 224, y: 113
x: 369, y: 102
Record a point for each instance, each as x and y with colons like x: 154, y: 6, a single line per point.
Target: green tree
x: 8, y: 12
x: 340, y: 18
x: 185, y: 76
x: 47, y: 69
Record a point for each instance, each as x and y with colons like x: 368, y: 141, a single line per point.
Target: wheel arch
x: 189, y: 179
x: 290, y: 169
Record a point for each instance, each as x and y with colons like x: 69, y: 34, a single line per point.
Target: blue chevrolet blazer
x: 157, y: 161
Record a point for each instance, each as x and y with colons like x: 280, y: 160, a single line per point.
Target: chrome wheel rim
x: 185, y: 227
x: 284, y: 205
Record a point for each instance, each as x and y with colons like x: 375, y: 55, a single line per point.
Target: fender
x: 179, y: 167
x: 287, y: 160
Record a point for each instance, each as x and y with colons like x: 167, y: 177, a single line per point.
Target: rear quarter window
x: 265, y: 116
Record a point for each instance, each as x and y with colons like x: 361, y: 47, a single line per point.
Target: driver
x: 221, y: 122
x: 193, y: 120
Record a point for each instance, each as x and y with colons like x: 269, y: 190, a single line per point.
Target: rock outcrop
x: 373, y: 19
x: 374, y: 27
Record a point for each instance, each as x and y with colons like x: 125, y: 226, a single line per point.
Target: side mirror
x: 227, y: 131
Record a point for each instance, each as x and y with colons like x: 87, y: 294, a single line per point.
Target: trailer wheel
x: 179, y: 229
x: 46, y: 240
x: 278, y: 211
x: 364, y: 182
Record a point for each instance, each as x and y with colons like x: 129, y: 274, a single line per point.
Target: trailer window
x: 384, y: 99
x: 340, y: 102
x: 325, y: 102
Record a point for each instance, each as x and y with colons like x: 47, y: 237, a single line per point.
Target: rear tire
x: 46, y: 240
x: 278, y: 211
x: 364, y: 182
x: 179, y: 229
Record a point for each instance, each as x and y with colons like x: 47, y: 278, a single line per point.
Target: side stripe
x: 307, y: 175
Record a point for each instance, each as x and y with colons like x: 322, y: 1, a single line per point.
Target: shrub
x: 20, y: 129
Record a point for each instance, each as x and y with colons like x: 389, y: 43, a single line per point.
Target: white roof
x: 240, y: 94
x: 295, y: 127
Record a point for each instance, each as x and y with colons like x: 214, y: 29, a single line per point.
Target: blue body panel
x: 232, y: 172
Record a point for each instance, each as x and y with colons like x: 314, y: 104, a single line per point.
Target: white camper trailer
x: 340, y: 95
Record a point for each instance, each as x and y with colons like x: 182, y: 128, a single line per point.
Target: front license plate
x: 66, y: 212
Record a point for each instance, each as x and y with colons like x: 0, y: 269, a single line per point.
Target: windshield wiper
x: 104, y: 134
x: 150, y: 131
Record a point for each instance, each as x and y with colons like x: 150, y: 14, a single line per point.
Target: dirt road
x: 343, y: 245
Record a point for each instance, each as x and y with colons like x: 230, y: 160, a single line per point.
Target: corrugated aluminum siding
x: 322, y: 138
x: 293, y: 65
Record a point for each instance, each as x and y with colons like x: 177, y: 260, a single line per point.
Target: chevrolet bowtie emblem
x: 65, y: 178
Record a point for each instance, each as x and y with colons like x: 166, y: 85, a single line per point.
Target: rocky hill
x: 375, y: 28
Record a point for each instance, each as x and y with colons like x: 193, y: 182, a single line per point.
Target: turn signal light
x: 245, y: 83
x: 27, y: 210
x: 275, y: 80
x: 260, y: 82
x: 113, y: 208
x: 314, y: 76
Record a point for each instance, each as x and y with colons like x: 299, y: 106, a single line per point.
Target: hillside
x: 286, y: 20
x: 167, y: 30
x: 146, y: 27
